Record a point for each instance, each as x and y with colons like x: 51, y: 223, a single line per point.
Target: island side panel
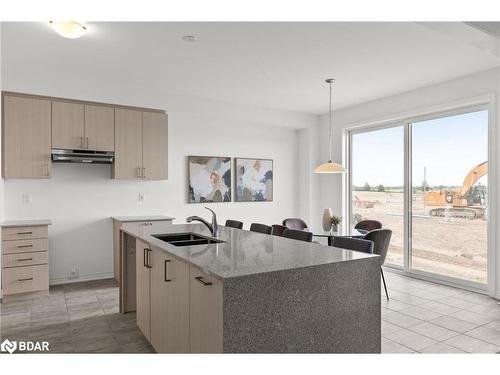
x: 127, y: 273
x: 331, y: 308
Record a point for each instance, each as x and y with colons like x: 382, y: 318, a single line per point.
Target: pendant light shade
x: 68, y: 29
x: 330, y: 166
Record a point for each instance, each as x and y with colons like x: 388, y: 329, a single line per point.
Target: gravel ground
x: 448, y: 246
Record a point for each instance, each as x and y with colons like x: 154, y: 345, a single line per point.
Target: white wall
x: 404, y: 105
x: 79, y: 199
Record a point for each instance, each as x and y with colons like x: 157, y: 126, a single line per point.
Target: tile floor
x: 75, y: 318
x: 420, y: 317
x: 423, y: 317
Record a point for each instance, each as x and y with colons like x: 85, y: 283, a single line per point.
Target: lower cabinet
x: 205, y: 312
x: 179, y: 308
x: 169, y: 303
x: 143, y: 292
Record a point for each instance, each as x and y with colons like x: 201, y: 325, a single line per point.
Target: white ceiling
x: 268, y: 65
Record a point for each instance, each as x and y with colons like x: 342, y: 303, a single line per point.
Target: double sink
x: 186, y: 239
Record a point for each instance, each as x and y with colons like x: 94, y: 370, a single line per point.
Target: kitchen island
x: 248, y: 293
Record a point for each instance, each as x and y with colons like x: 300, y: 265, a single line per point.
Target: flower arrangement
x: 335, y: 220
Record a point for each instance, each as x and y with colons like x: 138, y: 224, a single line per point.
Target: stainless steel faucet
x: 212, y: 227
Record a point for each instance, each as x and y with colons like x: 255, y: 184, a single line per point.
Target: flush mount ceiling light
x: 330, y: 166
x: 189, y: 38
x: 68, y: 29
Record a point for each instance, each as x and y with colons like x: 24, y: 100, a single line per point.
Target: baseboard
x: 84, y: 277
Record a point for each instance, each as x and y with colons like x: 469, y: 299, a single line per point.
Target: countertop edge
x: 25, y: 223
x: 137, y: 218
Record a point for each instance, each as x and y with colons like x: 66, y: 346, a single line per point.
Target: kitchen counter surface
x: 24, y: 223
x: 125, y: 219
x: 244, y: 253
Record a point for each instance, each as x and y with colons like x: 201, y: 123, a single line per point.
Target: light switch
x: 141, y: 198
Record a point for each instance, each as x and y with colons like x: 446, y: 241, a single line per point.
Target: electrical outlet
x: 73, y: 273
x: 140, y: 198
x: 26, y: 198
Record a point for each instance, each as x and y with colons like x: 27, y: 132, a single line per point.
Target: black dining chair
x: 278, y: 230
x: 381, y: 239
x: 300, y: 235
x: 368, y: 225
x: 355, y: 244
x: 261, y: 228
x: 234, y: 224
x: 295, y: 223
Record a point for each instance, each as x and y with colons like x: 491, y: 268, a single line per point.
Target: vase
x: 335, y: 228
x: 327, y: 216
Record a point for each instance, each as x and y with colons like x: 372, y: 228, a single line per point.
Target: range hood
x: 82, y: 156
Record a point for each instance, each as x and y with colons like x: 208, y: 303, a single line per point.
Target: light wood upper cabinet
x: 142, y: 277
x: 141, y: 145
x: 205, y: 312
x: 99, y: 128
x: 68, y: 131
x: 128, y: 144
x: 169, y: 303
x: 26, y: 137
x: 154, y: 145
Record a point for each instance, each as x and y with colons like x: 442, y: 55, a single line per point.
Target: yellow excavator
x: 465, y: 202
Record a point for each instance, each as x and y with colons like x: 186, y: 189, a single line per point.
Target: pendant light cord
x: 330, y: 119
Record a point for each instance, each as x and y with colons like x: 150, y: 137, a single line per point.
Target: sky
x: 448, y: 147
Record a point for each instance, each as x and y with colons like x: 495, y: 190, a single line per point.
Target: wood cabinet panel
x: 99, y: 128
x: 25, y: 246
x: 26, y: 137
x: 23, y: 233
x: 169, y: 304
x: 205, y: 312
x: 143, y: 295
x: 25, y: 259
x: 25, y: 279
x: 154, y: 146
x: 128, y: 144
x: 68, y: 125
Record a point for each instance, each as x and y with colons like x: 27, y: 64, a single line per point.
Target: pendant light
x: 330, y: 166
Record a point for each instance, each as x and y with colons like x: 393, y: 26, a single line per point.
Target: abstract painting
x: 254, y: 180
x: 209, y: 179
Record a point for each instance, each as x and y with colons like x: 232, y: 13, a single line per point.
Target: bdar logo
x: 8, y: 346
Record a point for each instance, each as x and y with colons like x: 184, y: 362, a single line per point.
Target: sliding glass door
x: 449, y: 162
x: 426, y: 180
x: 377, y: 174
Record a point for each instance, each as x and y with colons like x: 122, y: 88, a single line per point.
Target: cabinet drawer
x: 25, y: 246
x: 25, y: 279
x: 22, y: 233
x: 25, y: 259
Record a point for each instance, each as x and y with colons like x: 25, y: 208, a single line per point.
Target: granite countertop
x: 244, y: 253
x: 125, y: 219
x: 25, y: 223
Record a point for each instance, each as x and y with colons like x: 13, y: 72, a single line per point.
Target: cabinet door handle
x: 81, y: 142
x: 24, y: 259
x: 200, y: 279
x: 21, y: 246
x: 86, y: 142
x: 24, y: 232
x: 144, y: 257
x: 26, y: 279
x: 47, y: 166
x: 166, y: 271
x: 143, y: 172
x: 139, y: 172
x: 148, y: 258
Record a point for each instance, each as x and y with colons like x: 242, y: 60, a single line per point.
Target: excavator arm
x: 475, y: 174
